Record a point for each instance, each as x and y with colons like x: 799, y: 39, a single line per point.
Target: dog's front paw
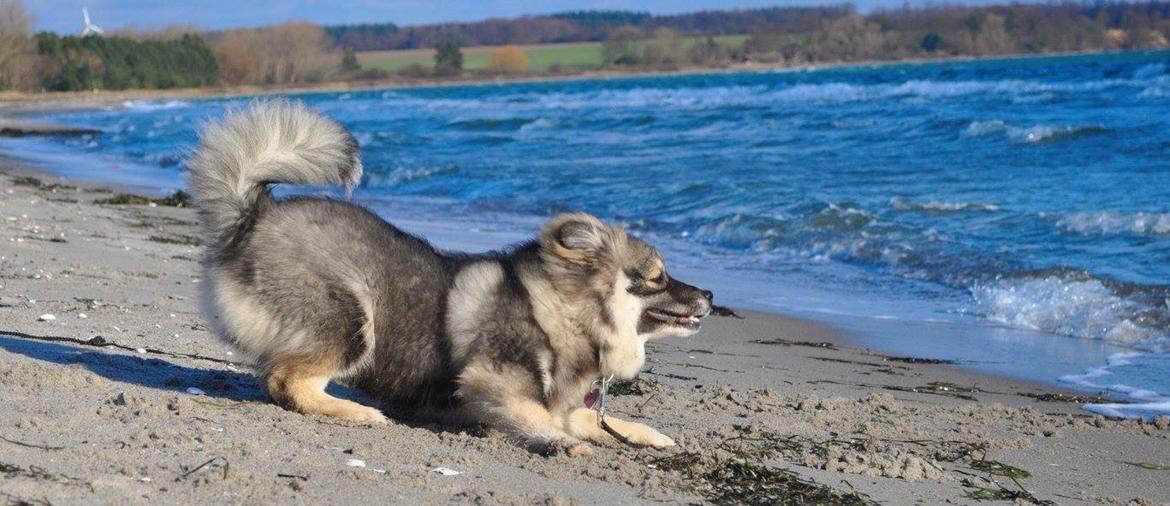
x: 580, y: 450
x: 359, y: 413
x: 568, y: 446
x: 646, y: 436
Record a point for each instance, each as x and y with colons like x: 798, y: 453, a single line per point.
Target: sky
x: 64, y: 16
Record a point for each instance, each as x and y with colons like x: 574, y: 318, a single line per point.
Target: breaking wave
x: 1114, y: 377
x: 154, y: 105
x: 1035, y: 134
x: 405, y: 174
x: 1077, y: 306
x: 1114, y: 223
x: 901, y: 204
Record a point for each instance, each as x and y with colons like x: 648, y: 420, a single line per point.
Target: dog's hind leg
x: 298, y: 384
x: 298, y: 380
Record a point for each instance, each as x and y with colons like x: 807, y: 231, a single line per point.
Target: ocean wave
x: 1149, y: 71
x: 1143, y: 403
x: 703, y: 97
x: 1159, y: 88
x: 154, y: 105
x: 1114, y: 223
x: 745, y: 231
x: 1072, y: 306
x: 406, y: 174
x: 490, y: 124
x: 1035, y: 134
x: 901, y: 204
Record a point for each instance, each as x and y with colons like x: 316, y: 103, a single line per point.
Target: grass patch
x: 569, y: 55
x: 178, y: 199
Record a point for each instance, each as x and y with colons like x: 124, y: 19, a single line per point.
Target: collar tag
x: 598, y: 397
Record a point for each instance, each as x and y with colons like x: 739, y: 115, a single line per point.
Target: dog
x: 317, y: 289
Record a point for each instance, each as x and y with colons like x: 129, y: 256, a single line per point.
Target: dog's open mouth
x: 690, y: 321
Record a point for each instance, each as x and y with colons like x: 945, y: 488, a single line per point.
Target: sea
x: 1012, y: 215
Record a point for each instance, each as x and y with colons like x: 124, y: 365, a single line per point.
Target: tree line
x: 303, y: 52
x: 580, y: 26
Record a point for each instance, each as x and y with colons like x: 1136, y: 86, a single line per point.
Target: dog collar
x: 598, y: 396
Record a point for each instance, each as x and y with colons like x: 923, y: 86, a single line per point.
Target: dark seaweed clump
x: 178, y: 199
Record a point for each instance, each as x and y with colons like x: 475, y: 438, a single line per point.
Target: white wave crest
x: 1086, y: 309
x: 900, y: 204
x: 1114, y: 223
x: 1144, y: 403
x: 154, y: 105
x: 1159, y: 88
x: 1034, y: 134
x: 1149, y: 71
x: 406, y: 174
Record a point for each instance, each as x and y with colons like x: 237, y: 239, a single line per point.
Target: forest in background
x: 303, y: 53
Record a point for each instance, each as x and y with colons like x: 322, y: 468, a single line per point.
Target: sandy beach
x: 114, y: 391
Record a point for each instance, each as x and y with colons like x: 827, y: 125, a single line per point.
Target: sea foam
x: 1115, y: 223
x: 1076, y: 308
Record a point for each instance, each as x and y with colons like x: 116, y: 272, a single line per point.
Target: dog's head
x: 624, y: 281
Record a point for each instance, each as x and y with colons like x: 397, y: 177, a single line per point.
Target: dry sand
x: 168, y: 416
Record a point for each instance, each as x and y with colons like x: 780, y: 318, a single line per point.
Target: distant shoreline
x: 24, y: 102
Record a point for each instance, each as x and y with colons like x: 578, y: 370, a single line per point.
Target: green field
x: 540, y: 56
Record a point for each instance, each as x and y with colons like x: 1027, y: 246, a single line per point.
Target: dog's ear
x: 579, y: 238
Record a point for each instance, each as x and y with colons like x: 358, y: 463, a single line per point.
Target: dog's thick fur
x: 318, y: 289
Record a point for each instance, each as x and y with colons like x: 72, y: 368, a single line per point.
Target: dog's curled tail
x: 276, y: 141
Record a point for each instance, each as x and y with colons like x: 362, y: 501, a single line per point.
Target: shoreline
x: 26, y: 102
x: 135, y: 423
x: 837, y: 333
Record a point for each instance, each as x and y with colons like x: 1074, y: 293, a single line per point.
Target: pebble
x: 355, y: 463
x: 195, y: 391
x: 141, y: 350
x: 446, y: 471
x: 82, y: 316
x: 46, y: 318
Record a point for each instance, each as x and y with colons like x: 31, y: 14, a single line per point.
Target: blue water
x: 1013, y: 214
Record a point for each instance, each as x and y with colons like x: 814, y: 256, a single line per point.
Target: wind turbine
x: 90, y: 28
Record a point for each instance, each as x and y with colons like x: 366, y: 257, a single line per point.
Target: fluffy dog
x: 317, y: 290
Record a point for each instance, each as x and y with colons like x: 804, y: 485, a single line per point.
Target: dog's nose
x: 708, y: 295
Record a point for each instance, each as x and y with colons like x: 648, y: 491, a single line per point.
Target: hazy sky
x: 65, y: 15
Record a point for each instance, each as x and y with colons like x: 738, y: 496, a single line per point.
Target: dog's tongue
x: 591, y: 398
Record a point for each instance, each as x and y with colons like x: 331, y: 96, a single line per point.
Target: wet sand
x: 159, y: 410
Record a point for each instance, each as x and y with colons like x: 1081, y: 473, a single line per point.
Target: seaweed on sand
x: 789, y: 342
x: 736, y: 473
x: 178, y: 199
x: 38, y: 184
x: 180, y: 239
x: 638, y: 386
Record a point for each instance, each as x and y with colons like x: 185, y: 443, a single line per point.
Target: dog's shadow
x: 156, y: 373
x: 142, y: 370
